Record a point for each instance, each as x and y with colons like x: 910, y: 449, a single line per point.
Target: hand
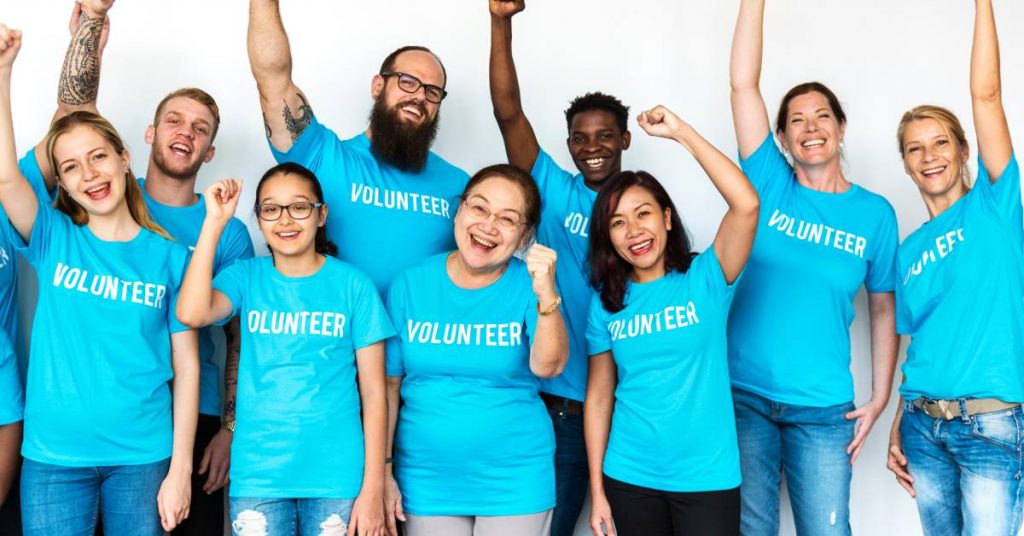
x: 222, y: 200
x: 217, y: 459
x: 866, y: 416
x: 897, y: 462
x: 92, y: 9
x: 392, y: 504
x: 10, y: 44
x: 173, y: 499
x: 367, y: 518
x: 661, y: 122
x: 540, y: 262
x: 601, y: 516
x: 506, y: 8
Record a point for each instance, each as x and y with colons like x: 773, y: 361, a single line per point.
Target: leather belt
x: 950, y: 409
x: 562, y: 404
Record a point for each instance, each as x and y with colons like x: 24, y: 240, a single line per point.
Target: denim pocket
x: 1001, y: 428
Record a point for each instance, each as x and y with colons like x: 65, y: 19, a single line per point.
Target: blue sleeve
x: 552, y: 180
x: 369, y: 322
x: 598, y: 339
x: 49, y: 227
x: 178, y: 257
x: 881, y: 276
x: 29, y: 167
x: 394, y: 364
x: 1005, y: 193
x: 311, y: 149
x: 12, y: 401
x: 232, y: 283
x: 903, y: 317
x: 235, y: 244
x: 767, y: 167
x: 708, y: 269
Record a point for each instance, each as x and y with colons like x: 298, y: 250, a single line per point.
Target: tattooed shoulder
x: 297, y: 123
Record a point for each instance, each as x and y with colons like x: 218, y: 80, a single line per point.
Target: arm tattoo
x: 232, y: 343
x: 80, y: 76
x: 297, y: 124
x: 266, y: 125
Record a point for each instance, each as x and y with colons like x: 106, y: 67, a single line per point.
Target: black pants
x: 639, y: 511
x: 206, y: 513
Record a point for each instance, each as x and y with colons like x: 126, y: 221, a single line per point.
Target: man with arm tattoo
x: 181, y: 140
x: 386, y: 189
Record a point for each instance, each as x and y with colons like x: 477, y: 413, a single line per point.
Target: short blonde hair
x: 949, y: 123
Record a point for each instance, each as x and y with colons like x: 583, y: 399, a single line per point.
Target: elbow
x: 550, y: 368
x: 506, y: 115
x: 188, y: 317
x: 987, y: 93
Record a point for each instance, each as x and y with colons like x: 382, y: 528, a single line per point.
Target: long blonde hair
x: 949, y: 123
x: 133, y: 194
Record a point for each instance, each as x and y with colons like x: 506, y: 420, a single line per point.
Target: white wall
x: 880, y: 56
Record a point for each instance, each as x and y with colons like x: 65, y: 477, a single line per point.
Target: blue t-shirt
x: 672, y: 425
x: 12, y: 401
x: 298, y: 432
x: 184, y: 224
x: 789, y: 329
x: 474, y: 437
x: 375, y: 205
x: 566, y: 204
x: 97, y: 390
x: 961, y: 296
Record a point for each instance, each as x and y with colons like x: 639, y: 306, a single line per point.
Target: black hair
x: 609, y: 271
x: 321, y: 244
x: 598, y: 101
x: 803, y: 89
x: 389, y: 62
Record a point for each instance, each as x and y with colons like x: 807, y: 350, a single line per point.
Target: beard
x: 400, y: 144
x: 180, y: 173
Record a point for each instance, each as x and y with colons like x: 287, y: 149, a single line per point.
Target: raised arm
x: 994, y: 143
x: 198, y: 304
x: 749, y: 114
x: 286, y: 111
x: 550, y: 348
x: 735, y: 234
x: 16, y: 195
x: 521, y: 145
x: 79, y: 82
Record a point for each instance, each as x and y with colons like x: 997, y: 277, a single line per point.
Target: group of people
x: 409, y: 353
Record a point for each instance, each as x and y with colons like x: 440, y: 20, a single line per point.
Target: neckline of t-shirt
x: 296, y: 279
x: 854, y: 188
x: 139, y: 237
x: 194, y: 207
x: 950, y: 208
x: 451, y: 284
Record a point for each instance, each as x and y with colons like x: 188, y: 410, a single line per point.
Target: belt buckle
x: 942, y: 406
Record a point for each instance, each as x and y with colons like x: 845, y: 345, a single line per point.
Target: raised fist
x: 506, y: 8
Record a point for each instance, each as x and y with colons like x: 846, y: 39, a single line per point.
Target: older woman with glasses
x: 478, y: 328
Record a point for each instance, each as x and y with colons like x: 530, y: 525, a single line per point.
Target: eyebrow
x: 641, y: 205
x: 295, y: 199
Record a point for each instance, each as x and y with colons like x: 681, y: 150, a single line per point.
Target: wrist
x: 548, y: 305
x: 180, y: 469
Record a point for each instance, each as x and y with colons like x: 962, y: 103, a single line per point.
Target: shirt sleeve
x: 708, y: 269
x: 598, y: 338
x: 47, y: 229
x: 311, y: 149
x: 1005, y: 193
x: 881, y: 276
x: 235, y: 244
x: 232, y: 282
x: 904, y: 320
x: 369, y: 322
x: 551, y: 179
x: 767, y: 167
x: 29, y: 167
x: 394, y: 364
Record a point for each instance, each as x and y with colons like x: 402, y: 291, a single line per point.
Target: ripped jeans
x: 290, y: 517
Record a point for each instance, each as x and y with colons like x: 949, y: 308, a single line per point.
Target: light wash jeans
x: 290, y: 517
x: 68, y: 500
x: 967, y: 471
x: 809, y: 444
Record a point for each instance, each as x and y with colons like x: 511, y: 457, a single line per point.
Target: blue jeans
x: 809, y: 444
x: 69, y: 500
x: 290, y: 517
x: 571, y: 472
x: 967, y: 471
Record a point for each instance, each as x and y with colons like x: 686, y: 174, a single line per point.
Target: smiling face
x: 813, y: 133
x: 288, y: 236
x: 638, y: 230
x: 489, y: 226
x: 596, y: 144
x: 411, y: 108
x: 933, y: 159
x: 182, y: 138
x: 90, y: 170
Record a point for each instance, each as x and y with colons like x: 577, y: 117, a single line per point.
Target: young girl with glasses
x: 302, y: 462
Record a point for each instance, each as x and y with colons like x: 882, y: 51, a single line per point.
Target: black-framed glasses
x: 505, y: 220
x: 298, y: 210
x: 410, y: 84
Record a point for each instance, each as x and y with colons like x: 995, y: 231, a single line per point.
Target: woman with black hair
x: 658, y: 419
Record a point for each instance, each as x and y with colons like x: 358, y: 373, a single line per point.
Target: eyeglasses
x: 299, y: 210
x: 482, y: 213
x: 410, y: 84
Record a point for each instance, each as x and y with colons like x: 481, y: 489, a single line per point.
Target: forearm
x: 270, y: 55
x: 550, y: 349
x: 16, y: 196
x: 985, y: 78
x: 80, y: 75
x: 10, y: 456
x: 195, y: 300
x: 503, y: 79
x: 394, y: 399
x: 232, y: 342
x: 597, y: 420
x: 885, y: 344
x: 747, y: 44
x: 185, y: 362
x: 375, y: 436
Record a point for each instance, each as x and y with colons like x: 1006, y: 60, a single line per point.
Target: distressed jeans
x: 967, y: 471
x: 809, y: 444
x: 290, y: 517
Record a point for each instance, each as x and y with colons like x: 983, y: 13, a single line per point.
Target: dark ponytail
x: 321, y: 243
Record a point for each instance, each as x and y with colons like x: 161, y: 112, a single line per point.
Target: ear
x: 126, y: 160
x: 209, y: 154
x: 525, y: 240
x: 779, y: 135
x: 323, y: 215
x: 627, y: 137
x: 842, y: 131
x: 668, y: 219
x: 377, y: 86
x: 965, y: 153
x: 150, y: 134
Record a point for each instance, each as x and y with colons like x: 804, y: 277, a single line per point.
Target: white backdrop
x: 880, y: 56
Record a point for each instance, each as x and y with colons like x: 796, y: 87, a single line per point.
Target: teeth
x: 641, y: 245
x: 594, y: 162
x: 96, y: 189
x: 289, y: 234
x: 181, y: 147
x: 814, y: 143
x: 413, y: 110
x: 482, y: 242
x: 934, y: 171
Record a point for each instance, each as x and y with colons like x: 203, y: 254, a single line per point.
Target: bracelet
x: 549, y: 309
